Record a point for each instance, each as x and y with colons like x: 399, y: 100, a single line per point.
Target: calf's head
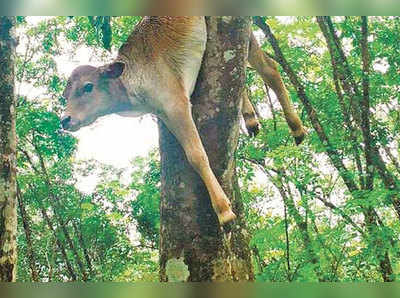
x: 93, y: 92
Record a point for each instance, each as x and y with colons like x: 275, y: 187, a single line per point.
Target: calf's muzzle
x: 66, y: 122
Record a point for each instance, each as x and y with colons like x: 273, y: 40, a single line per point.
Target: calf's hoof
x: 253, y: 127
x: 299, y: 139
x: 226, y: 216
x: 299, y: 136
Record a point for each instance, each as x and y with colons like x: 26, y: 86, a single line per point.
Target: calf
x: 155, y: 72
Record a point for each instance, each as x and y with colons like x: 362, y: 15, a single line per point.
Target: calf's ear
x: 113, y: 70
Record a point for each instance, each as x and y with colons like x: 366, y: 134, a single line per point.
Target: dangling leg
x: 267, y: 68
x: 180, y: 122
x: 249, y: 115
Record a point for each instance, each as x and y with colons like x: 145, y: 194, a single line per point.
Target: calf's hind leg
x: 249, y: 115
x: 268, y: 70
x: 178, y: 119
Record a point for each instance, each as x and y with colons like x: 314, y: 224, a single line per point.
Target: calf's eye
x: 88, y: 88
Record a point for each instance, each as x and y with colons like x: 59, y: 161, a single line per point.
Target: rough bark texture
x: 194, y: 247
x: 8, y: 212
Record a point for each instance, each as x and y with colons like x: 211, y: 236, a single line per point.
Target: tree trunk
x: 382, y: 253
x: 8, y: 211
x: 194, y: 247
x: 60, y: 245
x: 301, y: 223
x: 55, y: 205
x: 78, y: 233
x: 360, y: 104
x: 28, y: 235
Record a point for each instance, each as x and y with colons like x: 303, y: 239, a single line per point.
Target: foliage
x: 306, y: 223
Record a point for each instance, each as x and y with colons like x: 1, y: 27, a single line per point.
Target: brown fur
x: 168, y: 42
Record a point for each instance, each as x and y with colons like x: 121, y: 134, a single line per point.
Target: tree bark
x: 8, y: 204
x: 194, y: 247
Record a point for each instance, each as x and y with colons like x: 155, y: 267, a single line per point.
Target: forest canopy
x: 326, y: 210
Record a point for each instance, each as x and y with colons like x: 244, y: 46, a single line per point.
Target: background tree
x: 8, y: 203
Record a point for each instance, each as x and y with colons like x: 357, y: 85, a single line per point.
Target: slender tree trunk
x: 301, y: 223
x: 82, y: 243
x: 271, y: 107
x: 55, y: 205
x: 358, y: 104
x: 341, y: 67
x: 340, y: 212
x: 8, y: 202
x: 259, y: 260
x: 332, y: 152
x: 289, y: 270
x: 28, y: 235
x: 338, y: 77
x: 60, y: 245
x: 382, y: 252
x: 334, y: 208
x: 70, y: 243
x: 50, y: 260
x: 194, y: 247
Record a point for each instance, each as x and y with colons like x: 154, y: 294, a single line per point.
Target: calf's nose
x: 65, y: 122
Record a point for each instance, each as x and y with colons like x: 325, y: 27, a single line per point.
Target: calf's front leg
x: 178, y: 119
